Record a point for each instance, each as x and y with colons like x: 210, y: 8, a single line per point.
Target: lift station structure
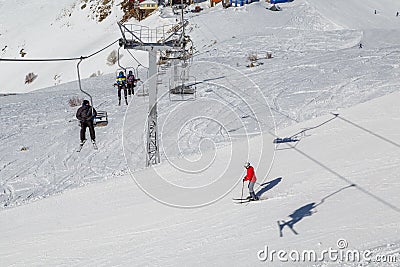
x: 153, y: 40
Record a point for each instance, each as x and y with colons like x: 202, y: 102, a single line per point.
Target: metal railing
x: 146, y: 35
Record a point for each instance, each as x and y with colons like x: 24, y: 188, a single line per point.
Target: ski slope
x: 104, y: 208
x: 115, y: 223
x: 58, y: 30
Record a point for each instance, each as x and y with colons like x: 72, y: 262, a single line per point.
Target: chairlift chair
x: 101, y: 119
x: 128, y: 69
x: 143, y: 67
x: 161, y: 70
x: 167, y: 65
x: 285, y: 140
x: 143, y: 90
x: 184, y: 90
x: 177, y: 8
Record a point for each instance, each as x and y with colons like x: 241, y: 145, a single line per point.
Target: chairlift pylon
x: 101, y: 119
x: 152, y: 41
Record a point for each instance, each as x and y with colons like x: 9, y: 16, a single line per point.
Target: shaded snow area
x: 330, y: 198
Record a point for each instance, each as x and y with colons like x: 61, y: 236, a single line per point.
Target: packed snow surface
x: 337, y: 185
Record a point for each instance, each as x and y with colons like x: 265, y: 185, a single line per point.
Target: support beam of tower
x: 153, y: 153
x: 152, y: 40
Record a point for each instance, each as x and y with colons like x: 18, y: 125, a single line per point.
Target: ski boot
x: 81, y: 145
x: 94, y: 144
x: 253, y: 196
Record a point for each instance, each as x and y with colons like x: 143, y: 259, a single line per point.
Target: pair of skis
x: 81, y: 146
x: 246, y: 200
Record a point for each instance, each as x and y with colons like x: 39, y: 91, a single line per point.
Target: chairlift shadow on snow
x: 288, y: 141
x: 208, y: 80
x: 305, y: 211
x: 296, y: 138
x: 268, y: 186
x: 383, y: 138
x: 338, y: 175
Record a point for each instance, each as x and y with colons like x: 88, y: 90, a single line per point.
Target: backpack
x: 131, y: 79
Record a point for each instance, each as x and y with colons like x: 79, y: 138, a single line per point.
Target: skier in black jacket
x: 86, y: 115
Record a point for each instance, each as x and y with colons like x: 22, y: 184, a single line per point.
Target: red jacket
x: 251, y: 175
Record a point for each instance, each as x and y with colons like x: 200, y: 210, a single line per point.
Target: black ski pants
x: 87, y: 124
x: 125, y: 93
x: 131, y: 88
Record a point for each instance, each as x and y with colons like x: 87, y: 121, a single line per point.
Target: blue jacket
x: 121, y: 79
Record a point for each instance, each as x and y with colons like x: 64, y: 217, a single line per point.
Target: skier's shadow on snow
x: 268, y: 186
x: 297, y: 215
x: 305, y: 211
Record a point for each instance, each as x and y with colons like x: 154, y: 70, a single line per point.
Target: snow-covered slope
x: 366, y: 14
x: 345, y: 169
x: 116, y: 224
x: 65, y: 29
x: 57, y: 29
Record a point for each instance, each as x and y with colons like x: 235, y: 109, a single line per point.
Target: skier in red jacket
x: 251, y: 177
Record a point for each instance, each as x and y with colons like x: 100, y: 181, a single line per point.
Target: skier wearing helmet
x: 86, y: 114
x: 131, y: 81
x: 121, y: 83
x: 251, y: 177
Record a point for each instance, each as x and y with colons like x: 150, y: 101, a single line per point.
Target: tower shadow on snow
x: 304, y: 211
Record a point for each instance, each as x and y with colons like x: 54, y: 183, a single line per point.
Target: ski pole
x: 242, y: 190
